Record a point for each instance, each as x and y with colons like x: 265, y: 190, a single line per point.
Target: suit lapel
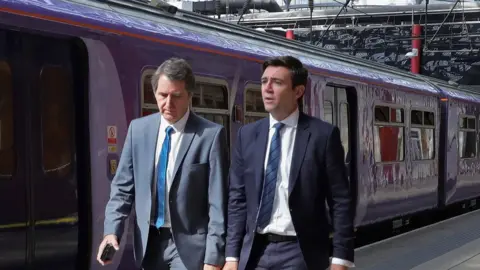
x: 188, y: 135
x: 151, y: 138
x: 260, y: 149
x: 300, y: 146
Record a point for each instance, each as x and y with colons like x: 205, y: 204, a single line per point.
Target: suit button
x: 291, y: 210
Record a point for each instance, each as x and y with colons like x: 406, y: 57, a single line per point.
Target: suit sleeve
x: 339, y: 199
x: 217, y: 198
x: 122, y: 191
x: 237, y: 206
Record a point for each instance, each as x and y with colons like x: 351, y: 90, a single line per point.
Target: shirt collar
x: 291, y: 120
x: 178, y: 126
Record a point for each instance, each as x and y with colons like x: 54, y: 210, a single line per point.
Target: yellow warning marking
x: 65, y: 220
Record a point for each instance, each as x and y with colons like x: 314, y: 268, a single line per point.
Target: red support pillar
x: 416, y: 46
x: 289, y: 34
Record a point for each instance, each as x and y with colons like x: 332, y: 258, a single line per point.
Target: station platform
x: 452, y: 244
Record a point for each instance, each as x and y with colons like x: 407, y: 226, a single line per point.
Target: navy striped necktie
x: 270, y: 179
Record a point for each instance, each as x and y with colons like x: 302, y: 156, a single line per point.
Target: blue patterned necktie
x: 270, y: 180
x: 161, y: 177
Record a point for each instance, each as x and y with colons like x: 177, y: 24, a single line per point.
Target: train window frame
x: 460, y: 129
x: 223, y: 112
x: 423, y: 126
x: 143, y: 105
x: 254, y: 87
x: 323, y: 109
x: 394, y: 124
x: 217, y: 82
x: 11, y: 173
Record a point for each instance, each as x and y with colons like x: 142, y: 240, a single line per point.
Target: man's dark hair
x: 176, y: 69
x: 299, y: 73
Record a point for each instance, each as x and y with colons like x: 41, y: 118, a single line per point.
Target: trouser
x: 161, y: 252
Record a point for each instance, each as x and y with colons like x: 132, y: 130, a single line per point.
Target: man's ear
x: 299, y: 91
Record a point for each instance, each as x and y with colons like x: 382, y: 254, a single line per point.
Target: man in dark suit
x: 174, y: 169
x: 283, y: 169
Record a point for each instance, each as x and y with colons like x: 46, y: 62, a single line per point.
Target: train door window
x: 328, y: 111
x: 149, y: 104
x: 57, y: 125
x: 344, y: 126
x: 422, y: 134
x: 7, y: 160
x: 254, y: 108
x: 467, y: 143
x: 210, y: 100
x: 389, y: 134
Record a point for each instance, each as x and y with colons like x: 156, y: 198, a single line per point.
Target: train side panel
x: 463, y: 160
x: 404, y: 168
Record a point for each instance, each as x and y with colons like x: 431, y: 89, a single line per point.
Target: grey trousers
x: 161, y: 252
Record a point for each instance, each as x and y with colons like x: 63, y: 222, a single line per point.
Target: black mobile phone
x: 108, y: 252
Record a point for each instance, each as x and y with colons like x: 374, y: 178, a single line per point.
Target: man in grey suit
x: 174, y: 169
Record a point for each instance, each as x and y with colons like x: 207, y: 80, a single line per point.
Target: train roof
x: 141, y: 20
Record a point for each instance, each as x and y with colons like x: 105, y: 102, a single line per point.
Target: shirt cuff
x: 342, y: 262
x: 231, y: 259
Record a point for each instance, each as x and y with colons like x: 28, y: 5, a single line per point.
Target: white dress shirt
x: 175, y: 141
x: 281, y: 220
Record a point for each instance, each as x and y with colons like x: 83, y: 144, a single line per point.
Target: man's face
x: 172, y: 98
x: 278, y: 94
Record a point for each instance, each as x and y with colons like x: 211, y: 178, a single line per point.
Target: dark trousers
x: 161, y: 252
x: 271, y: 252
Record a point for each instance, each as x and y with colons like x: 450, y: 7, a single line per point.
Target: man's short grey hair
x: 176, y: 69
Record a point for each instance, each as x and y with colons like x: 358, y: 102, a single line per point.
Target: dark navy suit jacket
x: 317, y: 174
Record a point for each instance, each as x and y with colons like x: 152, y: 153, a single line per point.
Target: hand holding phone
x: 107, y: 250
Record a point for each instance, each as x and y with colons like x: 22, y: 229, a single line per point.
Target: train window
x: 389, y: 134
x: 210, y: 100
x: 344, y: 124
x: 382, y: 114
x: 328, y: 111
x: 149, y: 104
x: 422, y: 134
x: 417, y: 117
x: 467, y: 143
x: 211, y: 96
x: 254, y: 108
x: 57, y: 124
x: 7, y: 162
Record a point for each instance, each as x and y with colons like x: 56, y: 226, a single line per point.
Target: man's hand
x: 338, y: 267
x: 230, y: 266
x: 108, y: 239
x: 211, y: 267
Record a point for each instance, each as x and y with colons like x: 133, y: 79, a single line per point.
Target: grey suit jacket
x: 197, y: 195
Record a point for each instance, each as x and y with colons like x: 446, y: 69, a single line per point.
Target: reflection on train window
x: 148, y: 102
x: 389, y: 134
x: 254, y: 108
x: 211, y: 96
x: 148, y: 93
x: 467, y: 142
x: 57, y: 120
x: 328, y: 111
x: 422, y: 135
x: 210, y: 100
x: 7, y: 154
x: 344, y: 124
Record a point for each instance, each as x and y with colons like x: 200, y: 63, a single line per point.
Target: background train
x: 74, y: 73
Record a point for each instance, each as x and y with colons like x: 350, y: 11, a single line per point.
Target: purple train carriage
x: 74, y: 73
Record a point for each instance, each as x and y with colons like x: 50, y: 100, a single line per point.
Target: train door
x: 44, y: 143
x: 13, y: 168
x: 339, y: 106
